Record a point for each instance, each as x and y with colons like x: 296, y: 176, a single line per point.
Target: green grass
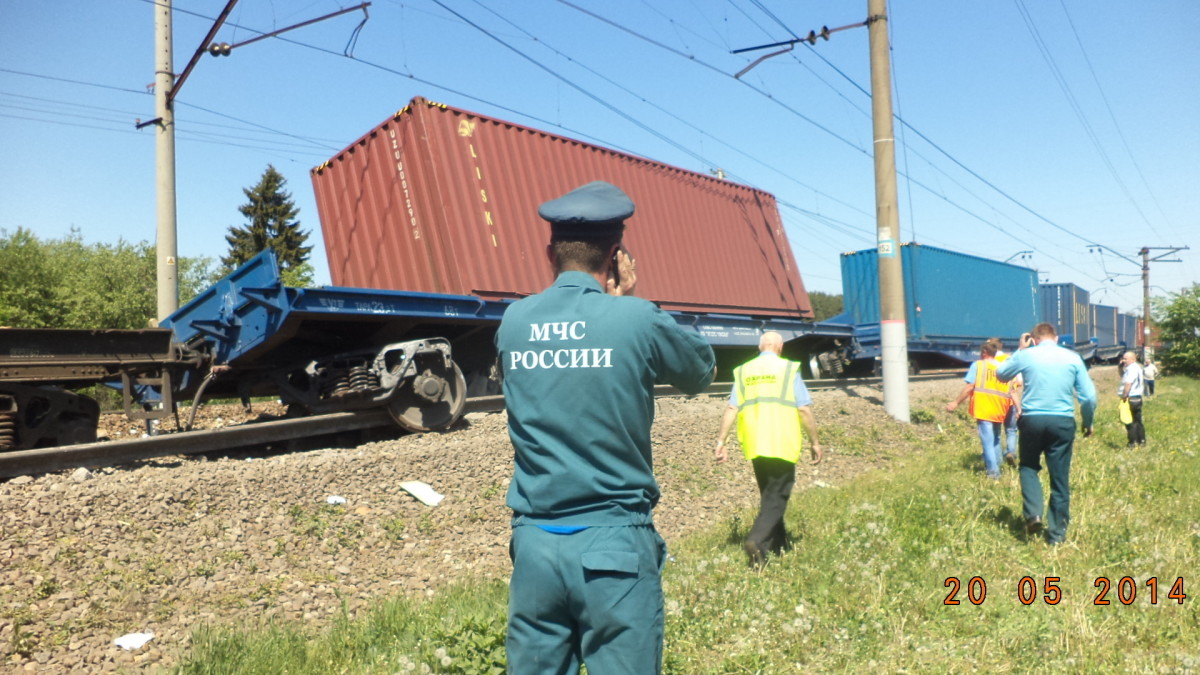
x: 865, y: 588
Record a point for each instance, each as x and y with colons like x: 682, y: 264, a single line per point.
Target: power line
x: 1063, y: 85
x: 1113, y: 117
x: 693, y: 59
x: 71, y: 81
x: 679, y: 119
x: 127, y: 90
x: 905, y: 125
x: 579, y: 88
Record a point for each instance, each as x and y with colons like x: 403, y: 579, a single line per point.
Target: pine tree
x: 271, y: 216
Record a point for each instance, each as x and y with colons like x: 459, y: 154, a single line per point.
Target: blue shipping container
x: 946, y: 294
x: 1105, y: 325
x: 1066, y: 307
x: 1127, y: 333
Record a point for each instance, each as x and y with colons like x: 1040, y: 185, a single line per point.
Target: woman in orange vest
x: 990, y: 401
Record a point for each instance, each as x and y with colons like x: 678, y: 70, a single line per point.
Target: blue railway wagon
x: 267, y: 334
x: 953, y: 301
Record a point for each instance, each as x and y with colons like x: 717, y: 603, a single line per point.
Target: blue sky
x: 1032, y: 130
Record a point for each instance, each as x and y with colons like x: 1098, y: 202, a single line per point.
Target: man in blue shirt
x: 580, y: 361
x: 1054, y: 376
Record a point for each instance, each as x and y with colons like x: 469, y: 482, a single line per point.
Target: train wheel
x: 76, y: 430
x: 434, y: 399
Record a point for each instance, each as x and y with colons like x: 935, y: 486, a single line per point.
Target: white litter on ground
x: 423, y: 492
x: 131, y: 641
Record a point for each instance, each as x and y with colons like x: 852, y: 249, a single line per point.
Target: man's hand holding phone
x: 622, y: 275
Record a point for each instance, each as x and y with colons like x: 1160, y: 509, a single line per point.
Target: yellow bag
x: 1126, y: 413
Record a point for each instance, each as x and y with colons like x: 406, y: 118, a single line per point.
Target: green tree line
x: 824, y: 305
x: 1179, y: 331
x: 67, y: 283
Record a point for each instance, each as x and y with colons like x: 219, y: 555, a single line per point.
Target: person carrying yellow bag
x: 1132, y: 386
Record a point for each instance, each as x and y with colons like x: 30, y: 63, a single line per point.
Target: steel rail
x: 114, y: 453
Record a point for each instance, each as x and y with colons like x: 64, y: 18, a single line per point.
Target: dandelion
x: 446, y: 660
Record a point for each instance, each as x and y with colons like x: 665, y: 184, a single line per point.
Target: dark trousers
x: 775, y: 479
x: 1135, y: 430
x: 1149, y: 387
x: 1051, y: 436
x: 593, y: 596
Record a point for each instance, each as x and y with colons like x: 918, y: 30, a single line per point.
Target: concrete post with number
x: 166, y: 251
x: 893, y: 325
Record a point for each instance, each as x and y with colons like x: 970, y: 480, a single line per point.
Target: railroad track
x: 114, y: 453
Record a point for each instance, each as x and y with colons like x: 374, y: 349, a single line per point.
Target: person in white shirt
x: 1131, y: 389
x: 1149, y: 372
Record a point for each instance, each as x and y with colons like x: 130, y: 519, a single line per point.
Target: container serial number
x: 1029, y: 590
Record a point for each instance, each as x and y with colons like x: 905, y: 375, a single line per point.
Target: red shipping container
x: 442, y: 200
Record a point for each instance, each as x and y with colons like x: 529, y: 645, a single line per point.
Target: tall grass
x: 865, y: 588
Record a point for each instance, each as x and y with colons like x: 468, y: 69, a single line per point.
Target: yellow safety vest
x: 768, y: 422
x: 991, y: 399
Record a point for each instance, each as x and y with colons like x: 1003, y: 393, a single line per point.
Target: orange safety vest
x: 991, y: 399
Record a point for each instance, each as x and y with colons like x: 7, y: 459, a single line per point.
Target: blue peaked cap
x: 592, y: 211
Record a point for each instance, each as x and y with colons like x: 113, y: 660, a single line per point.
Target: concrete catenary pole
x: 893, y: 326
x: 1147, y: 342
x: 1147, y: 350
x: 164, y: 80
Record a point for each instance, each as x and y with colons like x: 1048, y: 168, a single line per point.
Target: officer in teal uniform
x: 580, y: 361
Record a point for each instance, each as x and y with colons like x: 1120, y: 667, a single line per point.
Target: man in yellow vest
x: 773, y: 409
x: 990, y: 402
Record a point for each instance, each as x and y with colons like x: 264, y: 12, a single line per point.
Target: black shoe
x: 1033, y: 525
x: 1010, y: 459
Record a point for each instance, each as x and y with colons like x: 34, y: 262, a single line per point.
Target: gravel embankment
x: 164, y: 546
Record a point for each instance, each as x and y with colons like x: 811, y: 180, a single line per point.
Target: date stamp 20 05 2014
x: 1050, y: 590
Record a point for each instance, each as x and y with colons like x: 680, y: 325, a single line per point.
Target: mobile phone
x: 616, y: 268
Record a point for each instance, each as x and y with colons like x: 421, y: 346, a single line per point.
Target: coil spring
x: 361, y: 378
x: 8, y: 430
x: 340, y: 386
x: 831, y: 364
